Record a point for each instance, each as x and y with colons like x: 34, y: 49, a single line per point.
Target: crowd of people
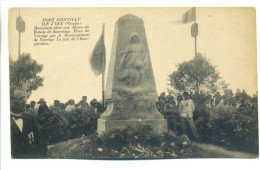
x: 185, y: 111
x: 60, y: 108
x: 32, y: 125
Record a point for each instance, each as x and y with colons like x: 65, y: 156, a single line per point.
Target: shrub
x: 234, y: 129
x: 58, y: 126
x: 54, y: 127
x: 132, y: 143
x: 81, y: 122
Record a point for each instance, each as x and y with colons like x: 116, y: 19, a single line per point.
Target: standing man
x: 208, y: 100
x: 43, y: 108
x: 56, y: 109
x: 186, y: 109
x: 71, y: 107
x: 217, y: 98
x: 83, y: 103
x: 26, y: 138
x: 161, y: 102
x: 32, y: 108
x: 170, y: 111
x: 179, y: 99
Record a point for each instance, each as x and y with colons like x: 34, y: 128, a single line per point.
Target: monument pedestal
x: 159, y: 126
x: 130, y: 87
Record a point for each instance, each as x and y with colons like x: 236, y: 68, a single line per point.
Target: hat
x: 84, y: 97
x: 41, y: 101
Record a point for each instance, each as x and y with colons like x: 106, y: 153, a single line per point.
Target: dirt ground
x: 77, y: 149
x: 211, y: 151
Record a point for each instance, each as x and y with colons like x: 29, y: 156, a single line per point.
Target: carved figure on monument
x: 133, y: 62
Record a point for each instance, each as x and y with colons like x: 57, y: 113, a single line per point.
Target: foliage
x: 193, y: 74
x: 129, y: 143
x: 132, y: 143
x: 234, y: 128
x: 23, y: 73
x: 232, y: 124
x: 81, y: 122
x: 60, y: 126
x: 54, y: 127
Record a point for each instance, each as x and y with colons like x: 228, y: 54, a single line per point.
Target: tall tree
x: 23, y: 73
x: 193, y: 74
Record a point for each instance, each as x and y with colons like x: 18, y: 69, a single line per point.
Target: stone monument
x: 130, y: 90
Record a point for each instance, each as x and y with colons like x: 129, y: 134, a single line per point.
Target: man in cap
x: 186, y: 109
x: 26, y: 138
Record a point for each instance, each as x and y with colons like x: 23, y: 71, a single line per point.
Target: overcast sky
x: 226, y: 36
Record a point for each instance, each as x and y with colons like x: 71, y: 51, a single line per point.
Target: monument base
x: 106, y: 126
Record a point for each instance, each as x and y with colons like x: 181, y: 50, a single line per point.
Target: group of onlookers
x: 68, y: 107
x: 28, y: 138
x: 182, y: 110
x: 180, y: 113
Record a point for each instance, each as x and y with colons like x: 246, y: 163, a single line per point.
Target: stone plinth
x: 130, y: 88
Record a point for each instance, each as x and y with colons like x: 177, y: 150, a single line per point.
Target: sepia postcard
x: 133, y: 83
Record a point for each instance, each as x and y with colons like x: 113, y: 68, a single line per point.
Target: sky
x: 227, y: 37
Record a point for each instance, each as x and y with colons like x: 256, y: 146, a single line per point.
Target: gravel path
x: 212, y: 151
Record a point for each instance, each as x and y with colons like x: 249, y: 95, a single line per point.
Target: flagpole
x: 19, y: 44
x: 103, y: 76
x: 196, y: 35
x: 19, y: 41
x: 195, y: 38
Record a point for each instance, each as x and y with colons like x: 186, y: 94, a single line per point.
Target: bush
x: 59, y: 125
x: 54, y: 127
x: 140, y: 143
x: 234, y: 129
x: 81, y: 122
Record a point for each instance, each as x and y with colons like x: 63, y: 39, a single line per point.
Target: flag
x: 98, y: 56
x: 189, y: 16
x: 20, y: 24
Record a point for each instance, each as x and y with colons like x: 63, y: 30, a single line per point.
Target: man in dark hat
x: 26, y: 138
x: 43, y: 108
